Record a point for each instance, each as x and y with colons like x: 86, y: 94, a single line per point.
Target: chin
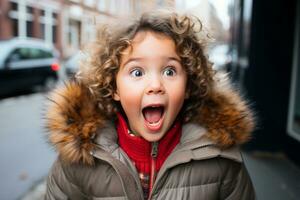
x: 153, y: 137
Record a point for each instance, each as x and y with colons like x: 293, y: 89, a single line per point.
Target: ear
x: 116, y: 96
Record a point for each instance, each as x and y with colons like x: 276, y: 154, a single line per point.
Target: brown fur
x: 73, y: 117
x: 226, y: 115
x: 72, y: 120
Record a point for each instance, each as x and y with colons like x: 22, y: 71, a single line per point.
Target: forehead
x: 142, y: 35
x: 148, y: 44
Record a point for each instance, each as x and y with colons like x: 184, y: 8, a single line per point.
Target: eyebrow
x: 139, y: 59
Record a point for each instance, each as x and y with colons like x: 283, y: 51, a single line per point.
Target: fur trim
x: 73, y: 118
x: 225, y: 115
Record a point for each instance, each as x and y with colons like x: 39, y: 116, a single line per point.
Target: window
x: 29, y: 21
x: 38, y: 54
x: 54, y: 34
x: 48, y: 24
x: 29, y: 53
x: 42, y: 31
x: 54, y: 27
x: 46, y: 54
x: 14, y: 18
x: 29, y: 10
x: 42, y: 24
x: 29, y: 28
x: 14, y: 6
x: 20, y: 54
x: 15, y: 27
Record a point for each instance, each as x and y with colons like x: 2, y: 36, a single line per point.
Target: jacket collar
x: 193, y: 145
x: 73, y: 121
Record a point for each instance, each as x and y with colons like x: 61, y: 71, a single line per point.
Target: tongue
x: 152, y: 115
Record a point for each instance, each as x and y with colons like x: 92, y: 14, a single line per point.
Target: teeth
x: 153, y: 123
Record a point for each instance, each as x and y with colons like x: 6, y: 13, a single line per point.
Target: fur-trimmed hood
x: 73, y: 119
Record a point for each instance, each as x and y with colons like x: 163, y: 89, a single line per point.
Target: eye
x: 136, y: 72
x: 170, y: 71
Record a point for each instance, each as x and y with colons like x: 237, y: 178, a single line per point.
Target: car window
x: 39, y: 53
x: 29, y: 53
x: 24, y: 53
x: 19, y: 54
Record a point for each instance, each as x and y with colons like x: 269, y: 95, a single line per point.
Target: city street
x: 25, y: 155
x: 46, y: 42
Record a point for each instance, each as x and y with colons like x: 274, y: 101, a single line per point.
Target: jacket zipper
x: 154, y: 151
x: 152, y: 186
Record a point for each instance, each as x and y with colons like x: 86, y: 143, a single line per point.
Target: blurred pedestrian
x: 148, y: 118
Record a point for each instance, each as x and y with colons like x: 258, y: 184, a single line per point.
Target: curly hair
x: 98, y: 72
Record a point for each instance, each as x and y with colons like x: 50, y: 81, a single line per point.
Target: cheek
x: 178, y: 89
x: 178, y: 98
x: 177, y: 95
x: 129, y: 95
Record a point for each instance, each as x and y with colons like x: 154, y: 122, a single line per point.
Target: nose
x: 155, y: 86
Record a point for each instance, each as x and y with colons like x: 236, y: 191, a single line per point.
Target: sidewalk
x: 273, y: 175
x: 37, y: 192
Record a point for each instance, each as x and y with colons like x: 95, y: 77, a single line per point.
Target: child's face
x: 151, y: 85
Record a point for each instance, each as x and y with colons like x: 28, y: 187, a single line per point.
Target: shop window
x: 294, y: 107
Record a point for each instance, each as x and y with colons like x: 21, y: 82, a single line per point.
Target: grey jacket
x: 206, y: 164
x: 196, y: 169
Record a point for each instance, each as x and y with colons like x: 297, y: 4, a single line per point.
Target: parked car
x: 72, y: 63
x: 26, y: 64
x: 220, y: 57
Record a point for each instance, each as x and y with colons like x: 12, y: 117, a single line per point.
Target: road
x: 24, y: 152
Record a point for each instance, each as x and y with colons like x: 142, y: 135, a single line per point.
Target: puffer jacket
x: 206, y: 164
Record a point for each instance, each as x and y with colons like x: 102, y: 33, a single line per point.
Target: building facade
x: 68, y: 24
x: 31, y: 19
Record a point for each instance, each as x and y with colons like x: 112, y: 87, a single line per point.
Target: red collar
x: 139, y: 149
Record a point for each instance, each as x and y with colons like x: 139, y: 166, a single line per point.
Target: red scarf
x: 139, y: 150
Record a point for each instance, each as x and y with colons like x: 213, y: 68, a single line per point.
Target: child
x: 147, y: 118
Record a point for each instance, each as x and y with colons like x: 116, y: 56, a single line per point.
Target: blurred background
x: 256, y: 42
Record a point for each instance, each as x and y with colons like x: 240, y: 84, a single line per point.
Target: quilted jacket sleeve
x: 58, y: 186
x: 237, y: 184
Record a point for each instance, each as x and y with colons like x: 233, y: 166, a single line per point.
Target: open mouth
x: 153, y: 115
